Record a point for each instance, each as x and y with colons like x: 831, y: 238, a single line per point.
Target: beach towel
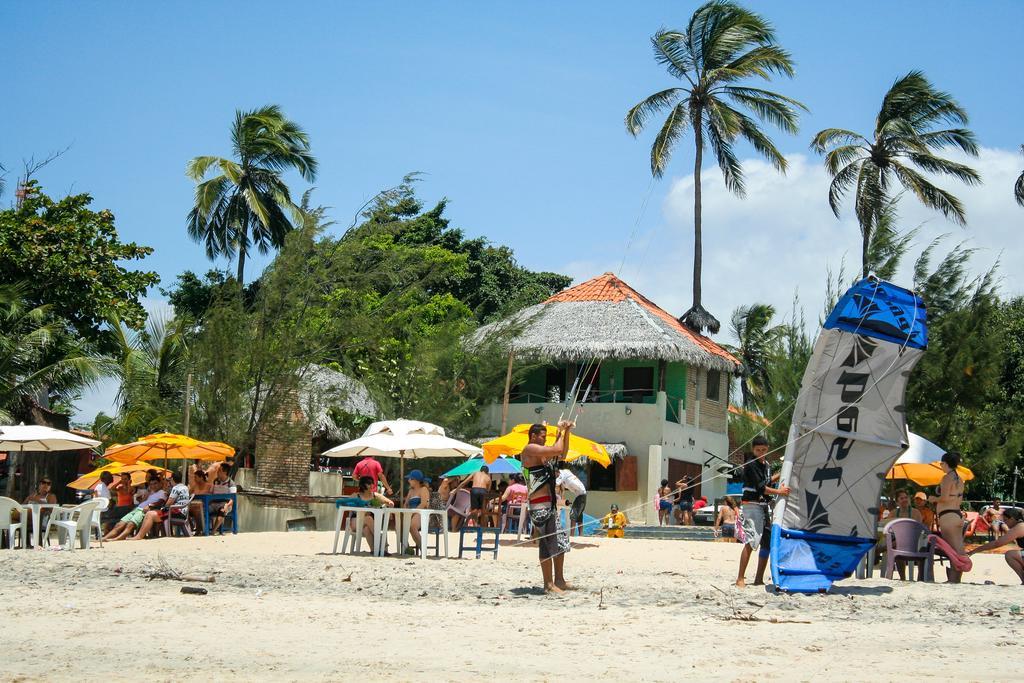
x: 961, y: 563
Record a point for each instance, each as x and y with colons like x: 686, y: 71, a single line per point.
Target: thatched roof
x: 606, y: 318
x: 323, y: 389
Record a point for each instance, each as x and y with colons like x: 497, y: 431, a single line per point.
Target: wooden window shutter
x: 625, y: 474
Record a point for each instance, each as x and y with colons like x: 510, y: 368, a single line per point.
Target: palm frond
x: 637, y: 116
x: 1018, y: 188
x: 934, y: 164
x: 763, y: 61
x: 841, y: 183
x: 951, y: 137
x: 931, y: 196
x: 721, y: 128
x: 672, y: 52
x: 196, y: 168
x: 664, y: 143
x: 836, y: 136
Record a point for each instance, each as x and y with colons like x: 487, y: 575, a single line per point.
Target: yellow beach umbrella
x: 515, y: 441
x: 169, y: 447
x: 925, y: 473
x: 138, y: 472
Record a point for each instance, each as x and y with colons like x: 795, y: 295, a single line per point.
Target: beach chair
x: 458, y: 503
x: 96, y: 528
x: 73, y: 522
x: 178, y: 516
x: 12, y: 529
x: 905, y: 539
x: 514, y: 513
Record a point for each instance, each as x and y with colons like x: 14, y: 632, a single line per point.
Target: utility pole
x: 185, y: 422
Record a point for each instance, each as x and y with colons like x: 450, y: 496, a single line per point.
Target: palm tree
x: 150, y: 368
x: 907, y: 135
x: 756, y: 339
x: 37, y: 356
x: 722, y: 45
x: 1018, y: 188
x: 247, y: 202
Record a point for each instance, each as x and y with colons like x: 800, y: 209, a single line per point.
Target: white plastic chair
x: 7, y: 507
x: 104, y: 503
x: 75, y: 522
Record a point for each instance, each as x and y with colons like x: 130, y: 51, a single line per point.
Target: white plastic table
x: 36, y: 519
x: 379, y: 517
x: 404, y: 523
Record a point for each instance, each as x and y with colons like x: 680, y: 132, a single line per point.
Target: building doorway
x: 677, y: 469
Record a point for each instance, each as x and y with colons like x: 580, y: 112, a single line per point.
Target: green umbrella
x: 502, y: 465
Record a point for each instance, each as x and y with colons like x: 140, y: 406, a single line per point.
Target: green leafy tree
x: 909, y: 134
x: 68, y: 257
x: 247, y: 203
x: 722, y: 46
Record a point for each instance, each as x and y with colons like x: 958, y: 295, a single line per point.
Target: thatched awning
x: 323, y: 389
x: 606, y: 318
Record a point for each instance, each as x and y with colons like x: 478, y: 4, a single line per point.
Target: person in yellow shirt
x: 615, y: 522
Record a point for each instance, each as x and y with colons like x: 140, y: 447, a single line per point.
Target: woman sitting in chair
x: 368, y: 494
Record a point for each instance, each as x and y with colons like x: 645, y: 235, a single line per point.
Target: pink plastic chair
x: 904, y: 539
x: 458, y: 503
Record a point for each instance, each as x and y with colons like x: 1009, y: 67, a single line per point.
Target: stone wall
x: 284, y: 449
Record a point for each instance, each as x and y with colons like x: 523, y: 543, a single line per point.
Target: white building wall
x: 647, y: 435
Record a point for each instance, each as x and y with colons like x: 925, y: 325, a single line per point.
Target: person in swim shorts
x: 757, y: 480
x: 479, y: 486
x: 541, y: 461
x: 133, y: 520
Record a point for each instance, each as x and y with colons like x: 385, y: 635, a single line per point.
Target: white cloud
x: 783, y: 236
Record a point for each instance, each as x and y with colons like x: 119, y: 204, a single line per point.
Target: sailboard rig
x: 848, y: 428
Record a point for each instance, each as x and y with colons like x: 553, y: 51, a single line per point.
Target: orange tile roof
x: 610, y: 288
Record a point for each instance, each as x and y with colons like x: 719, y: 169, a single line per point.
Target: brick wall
x: 714, y: 414
x: 283, y: 450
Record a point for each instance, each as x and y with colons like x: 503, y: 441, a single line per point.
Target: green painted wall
x: 675, y: 390
x: 531, y: 388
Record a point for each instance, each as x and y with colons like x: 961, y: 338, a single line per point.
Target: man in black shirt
x: 757, y: 486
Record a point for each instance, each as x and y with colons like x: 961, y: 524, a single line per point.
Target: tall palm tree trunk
x: 241, y: 266
x: 697, y: 243
x: 865, y: 245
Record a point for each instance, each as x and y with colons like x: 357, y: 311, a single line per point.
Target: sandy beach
x: 283, y: 608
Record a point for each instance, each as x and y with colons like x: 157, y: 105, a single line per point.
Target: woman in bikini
x: 418, y: 497
x: 947, y: 505
x: 368, y: 494
x: 725, y: 523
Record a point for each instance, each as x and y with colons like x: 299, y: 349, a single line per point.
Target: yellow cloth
x: 515, y: 441
x: 615, y: 524
x: 168, y: 446
x: 925, y: 474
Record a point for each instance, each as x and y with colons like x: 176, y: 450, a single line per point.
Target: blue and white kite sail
x: 848, y: 428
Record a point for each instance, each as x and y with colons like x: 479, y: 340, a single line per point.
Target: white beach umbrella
x: 404, y: 439
x: 38, y: 438
x: 21, y: 438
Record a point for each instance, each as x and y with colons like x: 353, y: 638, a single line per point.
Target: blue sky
x: 513, y: 111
